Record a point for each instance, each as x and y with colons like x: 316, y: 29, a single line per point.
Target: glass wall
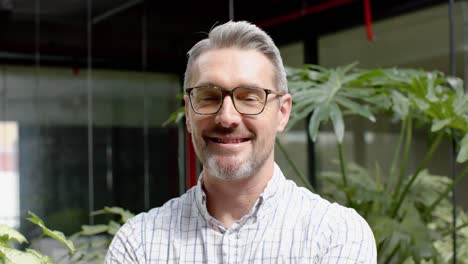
x: 47, y: 150
x: 294, y: 140
x: 80, y: 120
x: 9, y: 188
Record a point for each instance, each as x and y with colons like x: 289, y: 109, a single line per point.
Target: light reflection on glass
x: 9, y: 180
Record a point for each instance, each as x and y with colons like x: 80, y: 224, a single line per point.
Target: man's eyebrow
x: 206, y: 84
x: 245, y: 85
x: 251, y: 86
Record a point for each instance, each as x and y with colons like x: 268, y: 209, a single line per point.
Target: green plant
x: 9, y: 236
x: 403, y: 208
x: 93, y: 250
x: 99, y: 236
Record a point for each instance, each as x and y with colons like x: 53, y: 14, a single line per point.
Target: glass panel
x: 294, y: 140
x: 9, y: 187
x: 120, y: 100
x: 75, y: 139
x: 47, y: 103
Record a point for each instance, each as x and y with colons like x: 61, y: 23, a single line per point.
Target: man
x: 243, y: 210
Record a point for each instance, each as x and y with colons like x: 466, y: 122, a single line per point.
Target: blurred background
x: 85, y: 87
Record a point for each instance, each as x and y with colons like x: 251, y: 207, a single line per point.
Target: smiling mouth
x: 228, y: 140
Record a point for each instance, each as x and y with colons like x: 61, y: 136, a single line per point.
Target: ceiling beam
x: 115, y: 11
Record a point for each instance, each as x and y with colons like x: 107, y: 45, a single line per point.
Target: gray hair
x: 242, y: 35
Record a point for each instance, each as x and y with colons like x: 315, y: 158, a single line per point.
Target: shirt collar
x: 268, y: 199
x: 271, y: 195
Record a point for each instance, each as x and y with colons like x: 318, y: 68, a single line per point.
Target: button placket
x: 225, y: 246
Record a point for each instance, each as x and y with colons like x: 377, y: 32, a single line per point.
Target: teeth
x: 228, y: 140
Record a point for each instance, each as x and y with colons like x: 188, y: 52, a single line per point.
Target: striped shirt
x: 287, y: 224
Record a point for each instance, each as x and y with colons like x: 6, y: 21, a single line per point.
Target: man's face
x: 231, y: 145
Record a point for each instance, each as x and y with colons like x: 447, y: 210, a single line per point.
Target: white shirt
x: 288, y: 224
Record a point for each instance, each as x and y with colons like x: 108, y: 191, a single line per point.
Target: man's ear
x: 187, y: 117
x: 284, y: 112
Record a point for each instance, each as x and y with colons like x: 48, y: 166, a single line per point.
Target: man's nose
x: 228, y: 116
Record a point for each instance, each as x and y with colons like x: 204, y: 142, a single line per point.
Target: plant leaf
x: 337, y: 119
x: 124, y: 214
x: 175, y: 116
x: 334, y: 85
x: 420, y: 103
x: 460, y: 105
x: 382, y: 227
x: 439, y: 124
x: 457, y: 85
x: 430, y: 95
x: 113, y: 227
x: 463, y: 153
x: 89, y: 230
x: 320, y: 114
x: 14, y: 256
x: 59, y: 236
x: 355, y: 108
x: 400, y: 104
x: 8, y: 234
x: 347, y: 68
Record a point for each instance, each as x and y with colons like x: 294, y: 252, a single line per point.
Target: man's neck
x: 229, y: 201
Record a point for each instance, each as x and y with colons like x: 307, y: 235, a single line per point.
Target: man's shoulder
x: 307, y: 199
x: 342, y: 225
x: 315, y: 205
x: 168, y: 212
x: 145, y: 231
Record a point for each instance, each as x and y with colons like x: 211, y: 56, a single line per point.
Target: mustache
x: 224, y: 131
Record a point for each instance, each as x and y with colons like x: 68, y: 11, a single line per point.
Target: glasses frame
x: 230, y: 93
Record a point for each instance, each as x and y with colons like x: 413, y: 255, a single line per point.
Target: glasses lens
x: 206, y: 100
x: 249, y: 101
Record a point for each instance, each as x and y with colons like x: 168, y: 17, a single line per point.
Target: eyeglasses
x: 208, y: 99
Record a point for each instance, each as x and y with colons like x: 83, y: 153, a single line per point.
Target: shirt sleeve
x: 352, y: 240
x: 124, y: 247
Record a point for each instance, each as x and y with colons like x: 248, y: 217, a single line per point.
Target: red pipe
x: 303, y: 12
x: 368, y: 17
x: 191, y: 162
x: 319, y: 8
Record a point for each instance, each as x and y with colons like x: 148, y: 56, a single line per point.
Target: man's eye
x: 250, y: 98
x: 208, y: 98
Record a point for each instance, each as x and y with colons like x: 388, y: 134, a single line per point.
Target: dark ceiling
x: 155, y: 35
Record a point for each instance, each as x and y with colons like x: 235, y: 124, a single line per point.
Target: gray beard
x: 241, y: 171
